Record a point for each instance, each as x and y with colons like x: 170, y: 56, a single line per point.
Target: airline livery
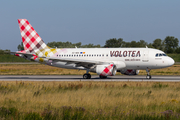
x: 103, y: 61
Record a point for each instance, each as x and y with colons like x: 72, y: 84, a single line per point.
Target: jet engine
x: 105, y: 70
x: 129, y: 71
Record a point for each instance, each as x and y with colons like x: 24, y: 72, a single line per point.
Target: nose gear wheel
x: 148, y: 74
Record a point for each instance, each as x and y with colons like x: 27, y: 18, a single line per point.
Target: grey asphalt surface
x: 94, y: 78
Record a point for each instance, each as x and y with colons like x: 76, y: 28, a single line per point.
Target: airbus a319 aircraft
x: 103, y: 61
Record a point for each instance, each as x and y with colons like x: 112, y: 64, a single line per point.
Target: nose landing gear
x: 148, y: 74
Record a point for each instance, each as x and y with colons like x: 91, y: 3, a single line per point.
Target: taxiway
x: 79, y: 78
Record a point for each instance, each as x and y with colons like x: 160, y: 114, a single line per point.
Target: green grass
x: 80, y: 113
x: 40, y: 69
x: 11, y: 58
x: 89, y: 100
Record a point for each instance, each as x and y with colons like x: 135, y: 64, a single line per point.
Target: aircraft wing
x: 78, y: 62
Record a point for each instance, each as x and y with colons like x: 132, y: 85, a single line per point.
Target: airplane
x: 103, y: 61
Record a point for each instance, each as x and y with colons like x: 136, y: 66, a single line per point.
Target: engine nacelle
x: 129, y: 71
x: 105, y: 70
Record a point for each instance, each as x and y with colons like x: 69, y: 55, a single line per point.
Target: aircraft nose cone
x: 170, y: 62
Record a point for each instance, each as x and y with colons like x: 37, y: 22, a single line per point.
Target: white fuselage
x: 133, y: 58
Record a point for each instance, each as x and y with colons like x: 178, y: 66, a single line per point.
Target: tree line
x: 168, y: 45
x: 4, y: 51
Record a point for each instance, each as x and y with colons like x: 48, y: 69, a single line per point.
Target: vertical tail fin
x: 30, y: 38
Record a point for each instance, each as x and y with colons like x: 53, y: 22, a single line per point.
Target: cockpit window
x: 160, y: 54
x: 164, y: 55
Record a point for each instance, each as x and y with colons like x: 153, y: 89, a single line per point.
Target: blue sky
x: 93, y: 21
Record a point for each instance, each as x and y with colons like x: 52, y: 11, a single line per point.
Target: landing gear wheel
x: 87, y: 76
x: 148, y: 77
x: 102, y: 77
x: 148, y: 74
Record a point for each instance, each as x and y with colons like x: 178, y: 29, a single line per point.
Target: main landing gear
x: 148, y: 74
x: 87, y: 75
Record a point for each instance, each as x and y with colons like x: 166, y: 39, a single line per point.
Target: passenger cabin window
x: 99, y: 55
